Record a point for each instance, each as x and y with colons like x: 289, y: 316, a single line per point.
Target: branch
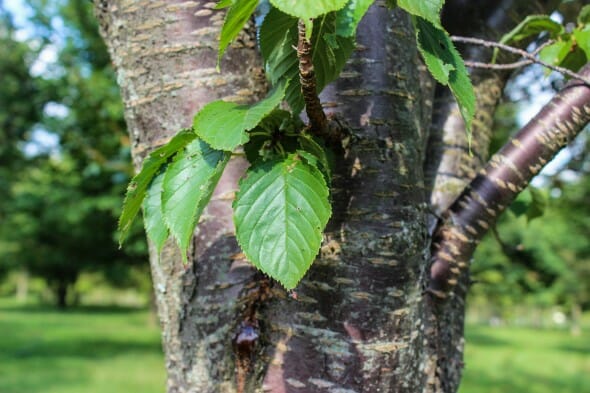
x: 507, y: 66
x: 317, y: 118
x: 529, y: 56
x: 507, y: 173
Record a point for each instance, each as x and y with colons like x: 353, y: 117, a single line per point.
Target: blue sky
x: 19, y: 10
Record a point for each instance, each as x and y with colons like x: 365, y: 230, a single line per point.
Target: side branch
x: 313, y: 107
x: 529, y: 58
x: 507, y: 173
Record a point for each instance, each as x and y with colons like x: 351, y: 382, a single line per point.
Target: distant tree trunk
x: 362, y: 322
x: 61, y: 294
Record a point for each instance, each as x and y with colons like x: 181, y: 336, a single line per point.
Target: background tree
x: 62, y: 201
x: 362, y: 321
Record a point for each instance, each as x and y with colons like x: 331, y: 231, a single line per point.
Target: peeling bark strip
x: 313, y: 107
x: 507, y: 173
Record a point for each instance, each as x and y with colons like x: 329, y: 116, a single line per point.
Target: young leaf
x: 278, y: 36
x: 310, y: 145
x: 426, y: 9
x: 530, y: 26
x: 223, y: 125
x: 188, y: 185
x: 137, y: 187
x: 280, y: 212
x: 155, y: 226
x: 348, y: 18
x: 583, y: 40
x: 235, y: 19
x: 446, y: 66
x: 555, y: 53
x: 278, y: 128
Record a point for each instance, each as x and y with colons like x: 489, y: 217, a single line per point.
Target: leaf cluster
x: 282, y: 205
x: 565, y: 46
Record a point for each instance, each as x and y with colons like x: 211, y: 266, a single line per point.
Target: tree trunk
x: 361, y: 321
x: 61, y: 294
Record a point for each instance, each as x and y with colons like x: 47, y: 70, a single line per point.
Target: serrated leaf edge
x: 319, y: 233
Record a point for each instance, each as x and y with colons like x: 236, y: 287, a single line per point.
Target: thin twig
x: 507, y: 66
x: 523, y: 53
x: 317, y: 118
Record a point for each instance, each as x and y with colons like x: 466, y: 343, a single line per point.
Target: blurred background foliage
x: 64, y: 156
x: 64, y: 165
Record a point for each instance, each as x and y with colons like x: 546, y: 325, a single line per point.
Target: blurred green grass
x: 117, y: 350
x: 517, y: 359
x: 90, y: 350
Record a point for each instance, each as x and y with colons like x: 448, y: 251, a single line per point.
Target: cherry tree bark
x: 362, y: 320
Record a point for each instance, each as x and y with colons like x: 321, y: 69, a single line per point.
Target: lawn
x: 515, y: 360
x: 117, y: 350
x: 90, y: 350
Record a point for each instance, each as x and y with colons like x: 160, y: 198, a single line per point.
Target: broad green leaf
x: 532, y: 25
x: 137, y: 187
x: 188, y: 184
x: 446, y: 66
x: 280, y: 211
x: 155, y: 226
x: 235, y: 19
x: 348, y: 18
x: 223, y: 125
x: 278, y: 36
x: 308, y: 9
x: 426, y: 9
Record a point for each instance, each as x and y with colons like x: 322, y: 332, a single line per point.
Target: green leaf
x: 532, y: 25
x: 446, y: 66
x: 223, y: 125
x: 310, y: 145
x: 538, y: 204
x: 555, y: 53
x: 584, y: 15
x: 224, y: 4
x: 155, y: 226
x: 280, y: 211
x: 136, y: 190
x: 279, y: 127
x: 308, y: 9
x: 235, y: 19
x: 530, y: 203
x: 188, y: 184
x: 426, y: 9
x: 348, y: 18
x: 278, y: 36
x: 583, y: 40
